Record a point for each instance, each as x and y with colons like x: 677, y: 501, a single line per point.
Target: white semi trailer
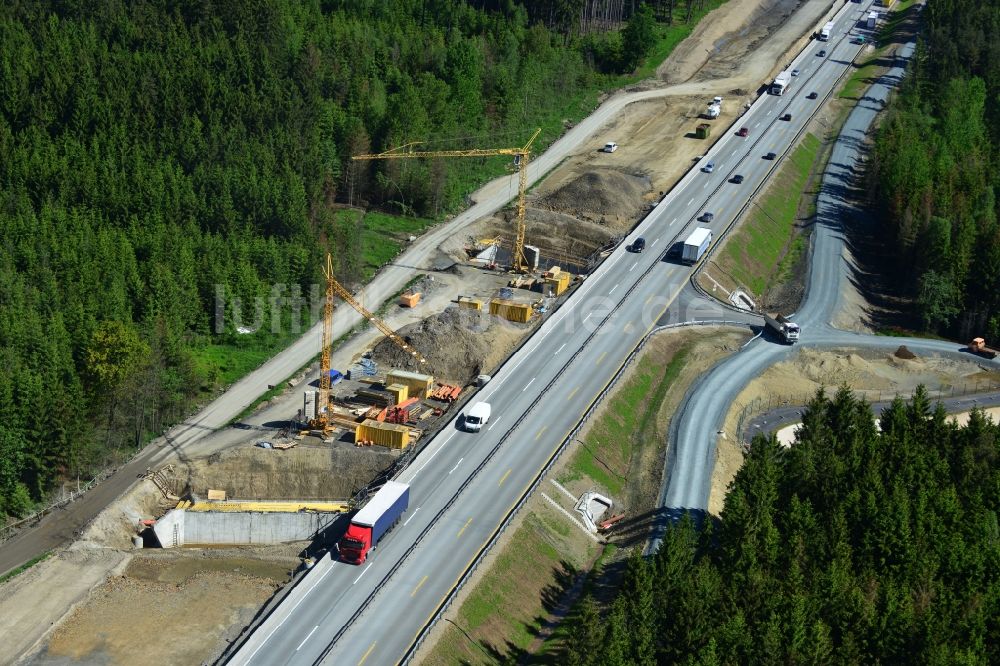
x: 781, y: 82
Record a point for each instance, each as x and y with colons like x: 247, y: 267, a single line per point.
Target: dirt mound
x: 903, y: 352
x: 458, y: 344
x: 303, y: 472
x: 598, y: 194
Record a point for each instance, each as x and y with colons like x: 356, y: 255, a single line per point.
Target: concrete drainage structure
x: 592, y: 506
x: 234, y: 523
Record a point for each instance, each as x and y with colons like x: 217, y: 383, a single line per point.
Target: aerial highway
x: 695, y: 429
x: 465, y: 486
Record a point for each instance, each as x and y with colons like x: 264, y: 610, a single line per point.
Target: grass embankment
x: 515, y: 599
x: 760, y: 253
x: 871, y: 67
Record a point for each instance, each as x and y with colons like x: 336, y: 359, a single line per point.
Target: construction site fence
x: 779, y: 401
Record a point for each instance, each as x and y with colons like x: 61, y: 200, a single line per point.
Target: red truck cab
x: 371, y: 523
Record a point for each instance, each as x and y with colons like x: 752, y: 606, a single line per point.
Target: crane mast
x: 521, y: 156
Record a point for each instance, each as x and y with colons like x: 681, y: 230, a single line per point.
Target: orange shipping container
x: 408, y: 300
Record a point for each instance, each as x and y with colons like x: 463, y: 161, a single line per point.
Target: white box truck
x: 477, y: 417
x: 781, y: 83
x: 824, y: 34
x: 872, y: 18
x: 696, y: 245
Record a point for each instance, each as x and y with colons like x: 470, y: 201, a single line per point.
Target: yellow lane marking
x: 367, y: 653
x: 544, y: 428
x: 648, y: 300
x: 504, y: 478
x: 463, y: 527
x: 419, y: 585
x: 572, y: 393
x: 601, y: 358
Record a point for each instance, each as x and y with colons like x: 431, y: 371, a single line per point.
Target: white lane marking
x: 734, y: 152
x: 691, y: 201
x: 654, y: 242
x: 768, y: 113
x: 757, y: 123
x: 588, y: 316
x: 614, y: 287
x: 673, y: 222
x: 432, y: 456
x: 528, y: 384
x: 411, y: 516
x: 705, y: 185
x: 307, y: 638
x: 560, y: 348
x: 633, y: 267
x: 252, y: 654
x: 456, y: 465
x: 362, y: 573
x: 495, y: 422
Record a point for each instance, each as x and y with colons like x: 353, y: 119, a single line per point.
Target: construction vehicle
x: 702, y: 131
x: 714, y: 109
x: 978, y: 347
x: 785, y: 328
x: 518, y: 262
x: 322, y: 420
x: 371, y: 523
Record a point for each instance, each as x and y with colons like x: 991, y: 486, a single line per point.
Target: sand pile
x: 458, y: 345
x: 599, y: 193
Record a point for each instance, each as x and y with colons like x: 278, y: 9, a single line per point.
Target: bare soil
x: 457, y: 343
x: 177, y: 609
x: 303, y: 472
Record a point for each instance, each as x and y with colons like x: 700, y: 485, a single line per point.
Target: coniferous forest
x: 155, y: 154
x: 854, y: 546
x: 937, y: 160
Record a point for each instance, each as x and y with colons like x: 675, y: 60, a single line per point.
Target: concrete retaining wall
x: 180, y: 527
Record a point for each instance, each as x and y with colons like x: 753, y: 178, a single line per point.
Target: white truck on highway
x: 781, y: 83
x: 696, y: 245
x: 824, y: 34
x: 477, y: 417
x: 872, y: 19
x: 786, y: 329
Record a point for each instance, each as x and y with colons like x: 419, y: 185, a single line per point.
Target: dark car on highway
x: 770, y: 156
x: 787, y: 116
x: 707, y: 216
x: 639, y: 245
x: 812, y: 95
x: 738, y: 178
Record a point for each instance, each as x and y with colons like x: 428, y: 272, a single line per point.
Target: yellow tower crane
x: 521, y: 155
x: 333, y: 288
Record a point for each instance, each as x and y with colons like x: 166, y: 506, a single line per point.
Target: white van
x: 610, y: 147
x: 477, y: 416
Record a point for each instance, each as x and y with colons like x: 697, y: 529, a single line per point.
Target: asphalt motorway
x: 464, y: 486
x: 699, y: 421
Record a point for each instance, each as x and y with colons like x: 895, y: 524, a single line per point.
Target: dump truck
x: 978, y: 347
x: 786, y: 329
x: 371, y: 523
x: 696, y: 245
